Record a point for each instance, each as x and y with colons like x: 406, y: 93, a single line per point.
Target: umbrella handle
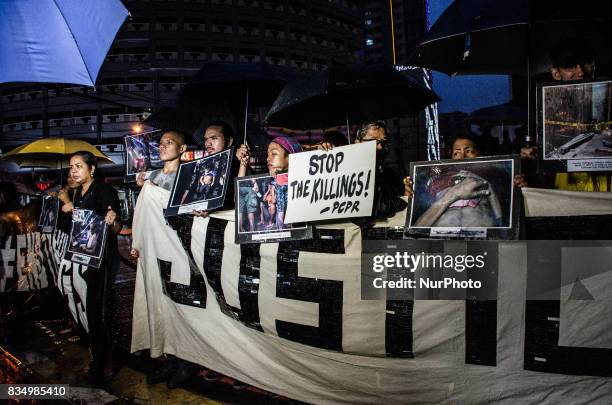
x: 246, y: 116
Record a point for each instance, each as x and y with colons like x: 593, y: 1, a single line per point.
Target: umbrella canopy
x: 56, y: 41
x: 507, y: 36
x: 52, y: 153
x: 333, y: 96
x: 224, y: 91
x: 231, y: 80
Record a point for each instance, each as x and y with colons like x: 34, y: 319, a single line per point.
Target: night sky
x: 466, y: 93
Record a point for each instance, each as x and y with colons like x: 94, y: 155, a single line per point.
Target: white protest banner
x: 331, y: 185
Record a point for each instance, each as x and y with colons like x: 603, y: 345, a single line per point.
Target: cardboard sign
x: 331, y: 185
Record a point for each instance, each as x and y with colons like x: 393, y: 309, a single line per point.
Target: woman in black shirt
x: 103, y: 200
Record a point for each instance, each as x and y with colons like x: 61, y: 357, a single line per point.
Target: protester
x: 171, y: 146
x: 101, y: 198
x: 278, y: 160
x: 330, y: 140
x: 464, y: 147
x: 219, y: 136
x: 388, y: 185
x: 278, y: 155
x: 573, y: 59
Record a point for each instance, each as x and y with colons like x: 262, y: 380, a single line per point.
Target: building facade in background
x: 164, y: 43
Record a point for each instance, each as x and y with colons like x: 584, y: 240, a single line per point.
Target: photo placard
x: 48, y: 214
x: 575, y: 125
x: 200, y: 185
x: 87, y: 238
x: 464, y: 199
x: 142, y: 154
x: 261, y: 203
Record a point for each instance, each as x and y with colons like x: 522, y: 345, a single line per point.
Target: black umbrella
x: 192, y: 117
x: 338, y: 95
x: 223, y: 91
x: 511, y: 36
x: 232, y: 81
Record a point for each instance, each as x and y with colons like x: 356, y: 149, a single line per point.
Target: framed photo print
x: 464, y: 199
x: 261, y: 203
x: 142, y: 154
x: 574, y: 125
x: 48, y: 214
x: 201, y: 184
x: 87, y: 238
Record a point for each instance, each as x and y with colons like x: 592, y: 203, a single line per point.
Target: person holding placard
x: 388, y: 185
x: 103, y: 200
x: 278, y: 161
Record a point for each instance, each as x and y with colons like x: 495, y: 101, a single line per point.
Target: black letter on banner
x: 327, y: 293
x: 193, y: 294
x: 480, y: 313
x: 248, y: 280
x: 398, y: 318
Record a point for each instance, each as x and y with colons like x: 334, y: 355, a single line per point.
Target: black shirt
x: 98, y: 198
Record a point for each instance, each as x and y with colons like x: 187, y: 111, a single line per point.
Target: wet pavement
x: 36, y: 352
x: 38, y: 346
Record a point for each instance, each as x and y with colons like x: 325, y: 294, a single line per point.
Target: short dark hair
x: 180, y: 134
x: 369, y: 125
x: 469, y: 137
x: 570, y: 52
x: 336, y: 138
x: 225, y: 129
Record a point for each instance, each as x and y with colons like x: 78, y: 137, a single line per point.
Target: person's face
x: 578, y: 72
x: 375, y: 134
x: 71, y: 183
x: 170, y: 147
x: 255, y: 187
x: 214, y: 140
x: 80, y: 172
x: 278, y: 158
x: 464, y: 149
x: 208, y: 179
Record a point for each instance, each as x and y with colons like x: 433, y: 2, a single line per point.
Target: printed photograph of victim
x: 462, y: 199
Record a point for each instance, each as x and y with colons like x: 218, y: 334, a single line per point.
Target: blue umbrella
x: 56, y: 41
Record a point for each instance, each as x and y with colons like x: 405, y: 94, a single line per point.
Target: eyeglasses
x: 378, y: 141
